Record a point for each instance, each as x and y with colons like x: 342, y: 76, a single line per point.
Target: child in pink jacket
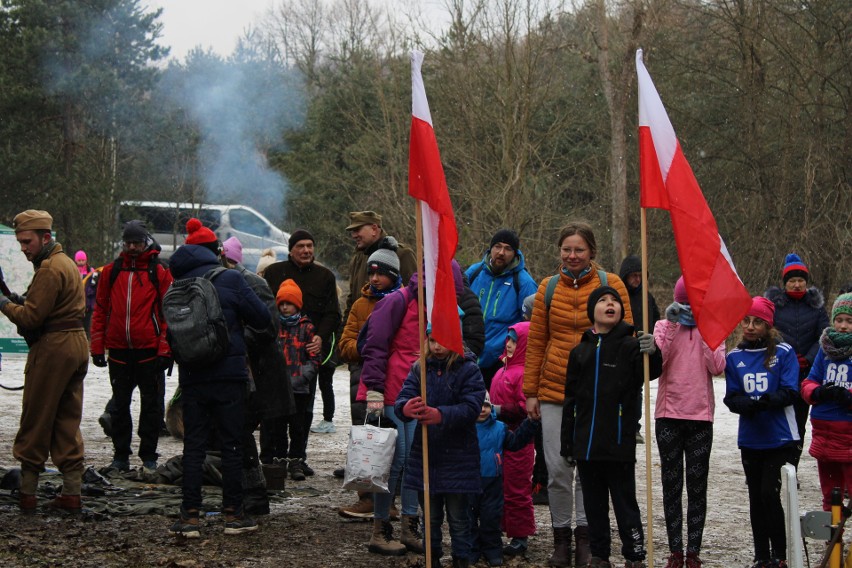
x: 509, y: 402
x: 684, y: 424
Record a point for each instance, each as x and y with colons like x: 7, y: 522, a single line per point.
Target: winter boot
x: 561, y: 557
x: 692, y: 560
x: 581, y: 542
x: 516, y: 547
x: 362, y: 509
x: 460, y: 562
x: 595, y: 562
x: 411, y: 536
x: 675, y: 560
x: 382, y: 541
x: 295, y: 469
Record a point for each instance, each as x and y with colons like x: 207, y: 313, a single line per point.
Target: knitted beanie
x: 80, y: 255
x: 763, y: 309
x: 842, y: 305
x: 384, y: 261
x: 135, y: 231
x: 680, y: 292
x: 267, y: 257
x: 289, y: 292
x: 233, y: 250
x: 507, y: 236
x: 529, y: 303
x: 299, y: 235
x: 596, y: 295
x: 793, y: 266
x: 198, y: 234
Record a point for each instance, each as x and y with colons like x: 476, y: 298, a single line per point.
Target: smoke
x: 242, y: 108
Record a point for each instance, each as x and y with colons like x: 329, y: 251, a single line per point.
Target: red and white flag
x: 426, y: 183
x: 717, y: 296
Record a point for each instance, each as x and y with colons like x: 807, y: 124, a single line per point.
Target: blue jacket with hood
x: 239, y: 303
x: 502, y: 304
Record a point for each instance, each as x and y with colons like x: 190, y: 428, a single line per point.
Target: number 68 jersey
x: 831, y: 371
x: 745, y: 373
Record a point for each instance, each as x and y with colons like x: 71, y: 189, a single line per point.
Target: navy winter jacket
x: 801, y: 322
x: 458, y: 393
x: 239, y: 303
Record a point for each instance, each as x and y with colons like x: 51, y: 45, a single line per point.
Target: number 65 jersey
x: 769, y: 425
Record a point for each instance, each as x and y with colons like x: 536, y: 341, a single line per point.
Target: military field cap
x: 360, y: 218
x: 32, y: 220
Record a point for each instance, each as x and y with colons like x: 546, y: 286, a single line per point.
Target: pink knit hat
x: 80, y: 255
x: 680, y: 292
x: 233, y: 250
x: 763, y: 309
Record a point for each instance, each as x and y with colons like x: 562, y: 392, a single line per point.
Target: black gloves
x: 99, y: 360
x: 744, y: 405
x: 832, y: 393
x: 163, y: 362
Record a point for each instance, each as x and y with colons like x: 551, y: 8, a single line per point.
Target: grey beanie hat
x: 527, y: 309
x: 384, y: 261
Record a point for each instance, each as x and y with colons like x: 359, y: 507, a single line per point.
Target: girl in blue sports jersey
x: 762, y: 380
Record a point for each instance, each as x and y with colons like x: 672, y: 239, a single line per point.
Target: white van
x: 167, y: 224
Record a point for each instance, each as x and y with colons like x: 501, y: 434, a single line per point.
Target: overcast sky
x: 218, y: 23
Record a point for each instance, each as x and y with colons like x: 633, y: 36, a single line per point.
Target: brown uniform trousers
x: 53, y: 402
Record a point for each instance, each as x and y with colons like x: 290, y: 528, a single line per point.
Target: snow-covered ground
x: 727, y: 537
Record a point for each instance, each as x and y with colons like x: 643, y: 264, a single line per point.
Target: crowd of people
x: 551, y: 372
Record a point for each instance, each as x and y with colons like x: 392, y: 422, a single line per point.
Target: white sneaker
x: 324, y: 427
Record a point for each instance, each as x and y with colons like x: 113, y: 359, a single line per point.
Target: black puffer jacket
x: 801, y: 322
x: 605, y: 373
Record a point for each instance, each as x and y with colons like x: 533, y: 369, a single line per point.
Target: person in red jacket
x: 128, y: 323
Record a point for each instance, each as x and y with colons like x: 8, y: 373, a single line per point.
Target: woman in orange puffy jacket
x: 558, y: 322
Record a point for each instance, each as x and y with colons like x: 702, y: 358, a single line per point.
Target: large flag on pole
x: 717, y: 296
x: 427, y: 184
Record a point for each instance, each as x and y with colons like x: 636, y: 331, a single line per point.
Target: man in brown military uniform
x: 50, y: 317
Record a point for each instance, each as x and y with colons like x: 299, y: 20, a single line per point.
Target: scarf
x: 45, y: 252
x: 837, y: 346
x: 797, y: 295
x: 379, y: 294
x: 290, y: 321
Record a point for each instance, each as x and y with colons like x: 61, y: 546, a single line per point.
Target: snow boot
x: 411, y: 536
x: 382, y: 541
x: 582, y: 551
x: 692, y: 560
x: 561, y: 557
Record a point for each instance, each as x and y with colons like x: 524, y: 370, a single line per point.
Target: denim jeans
x: 221, y: 402
x: 404, y: 439
x: 458, y: 520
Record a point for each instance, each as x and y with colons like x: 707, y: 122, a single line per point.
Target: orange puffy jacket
x: 555, y: 332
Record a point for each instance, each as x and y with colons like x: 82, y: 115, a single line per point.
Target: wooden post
x: 421, y: 316
x: 649, y: 537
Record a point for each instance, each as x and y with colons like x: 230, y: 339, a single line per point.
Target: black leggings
x: 763, y: 476
x: 679, y: 441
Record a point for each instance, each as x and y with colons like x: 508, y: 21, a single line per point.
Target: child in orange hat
x: 291, y: 432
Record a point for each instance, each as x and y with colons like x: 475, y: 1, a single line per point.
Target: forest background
x: 533, y: 103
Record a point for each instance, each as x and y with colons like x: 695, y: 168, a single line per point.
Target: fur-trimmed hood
x: 813, y: 297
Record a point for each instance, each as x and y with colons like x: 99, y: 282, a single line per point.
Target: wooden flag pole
x: 649, y: 537
x: 421, y: 316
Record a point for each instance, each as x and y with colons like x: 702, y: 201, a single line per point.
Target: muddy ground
x: 304, y: 528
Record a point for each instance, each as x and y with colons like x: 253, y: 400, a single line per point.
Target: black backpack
x: 198, y: 332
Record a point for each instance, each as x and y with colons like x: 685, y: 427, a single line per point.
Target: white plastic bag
x: 368, y: 458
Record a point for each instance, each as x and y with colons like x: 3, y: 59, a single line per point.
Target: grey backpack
x: 197, y: 332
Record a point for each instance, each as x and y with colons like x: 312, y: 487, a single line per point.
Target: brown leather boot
x: 27, y: 503
x: 561, y: 557
x: 382, y: 540
x: 70, y: 503
x: 582, y: 552
x: 361, y: 509
x: 411, y: 536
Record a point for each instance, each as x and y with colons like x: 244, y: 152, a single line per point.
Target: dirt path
x: 306, y: 531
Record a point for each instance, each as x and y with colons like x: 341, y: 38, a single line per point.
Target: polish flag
x: 718, y: 298
x: 427, y: 184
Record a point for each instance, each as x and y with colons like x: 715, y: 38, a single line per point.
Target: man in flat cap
x: 50, y: 318
x: 365, y: 228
